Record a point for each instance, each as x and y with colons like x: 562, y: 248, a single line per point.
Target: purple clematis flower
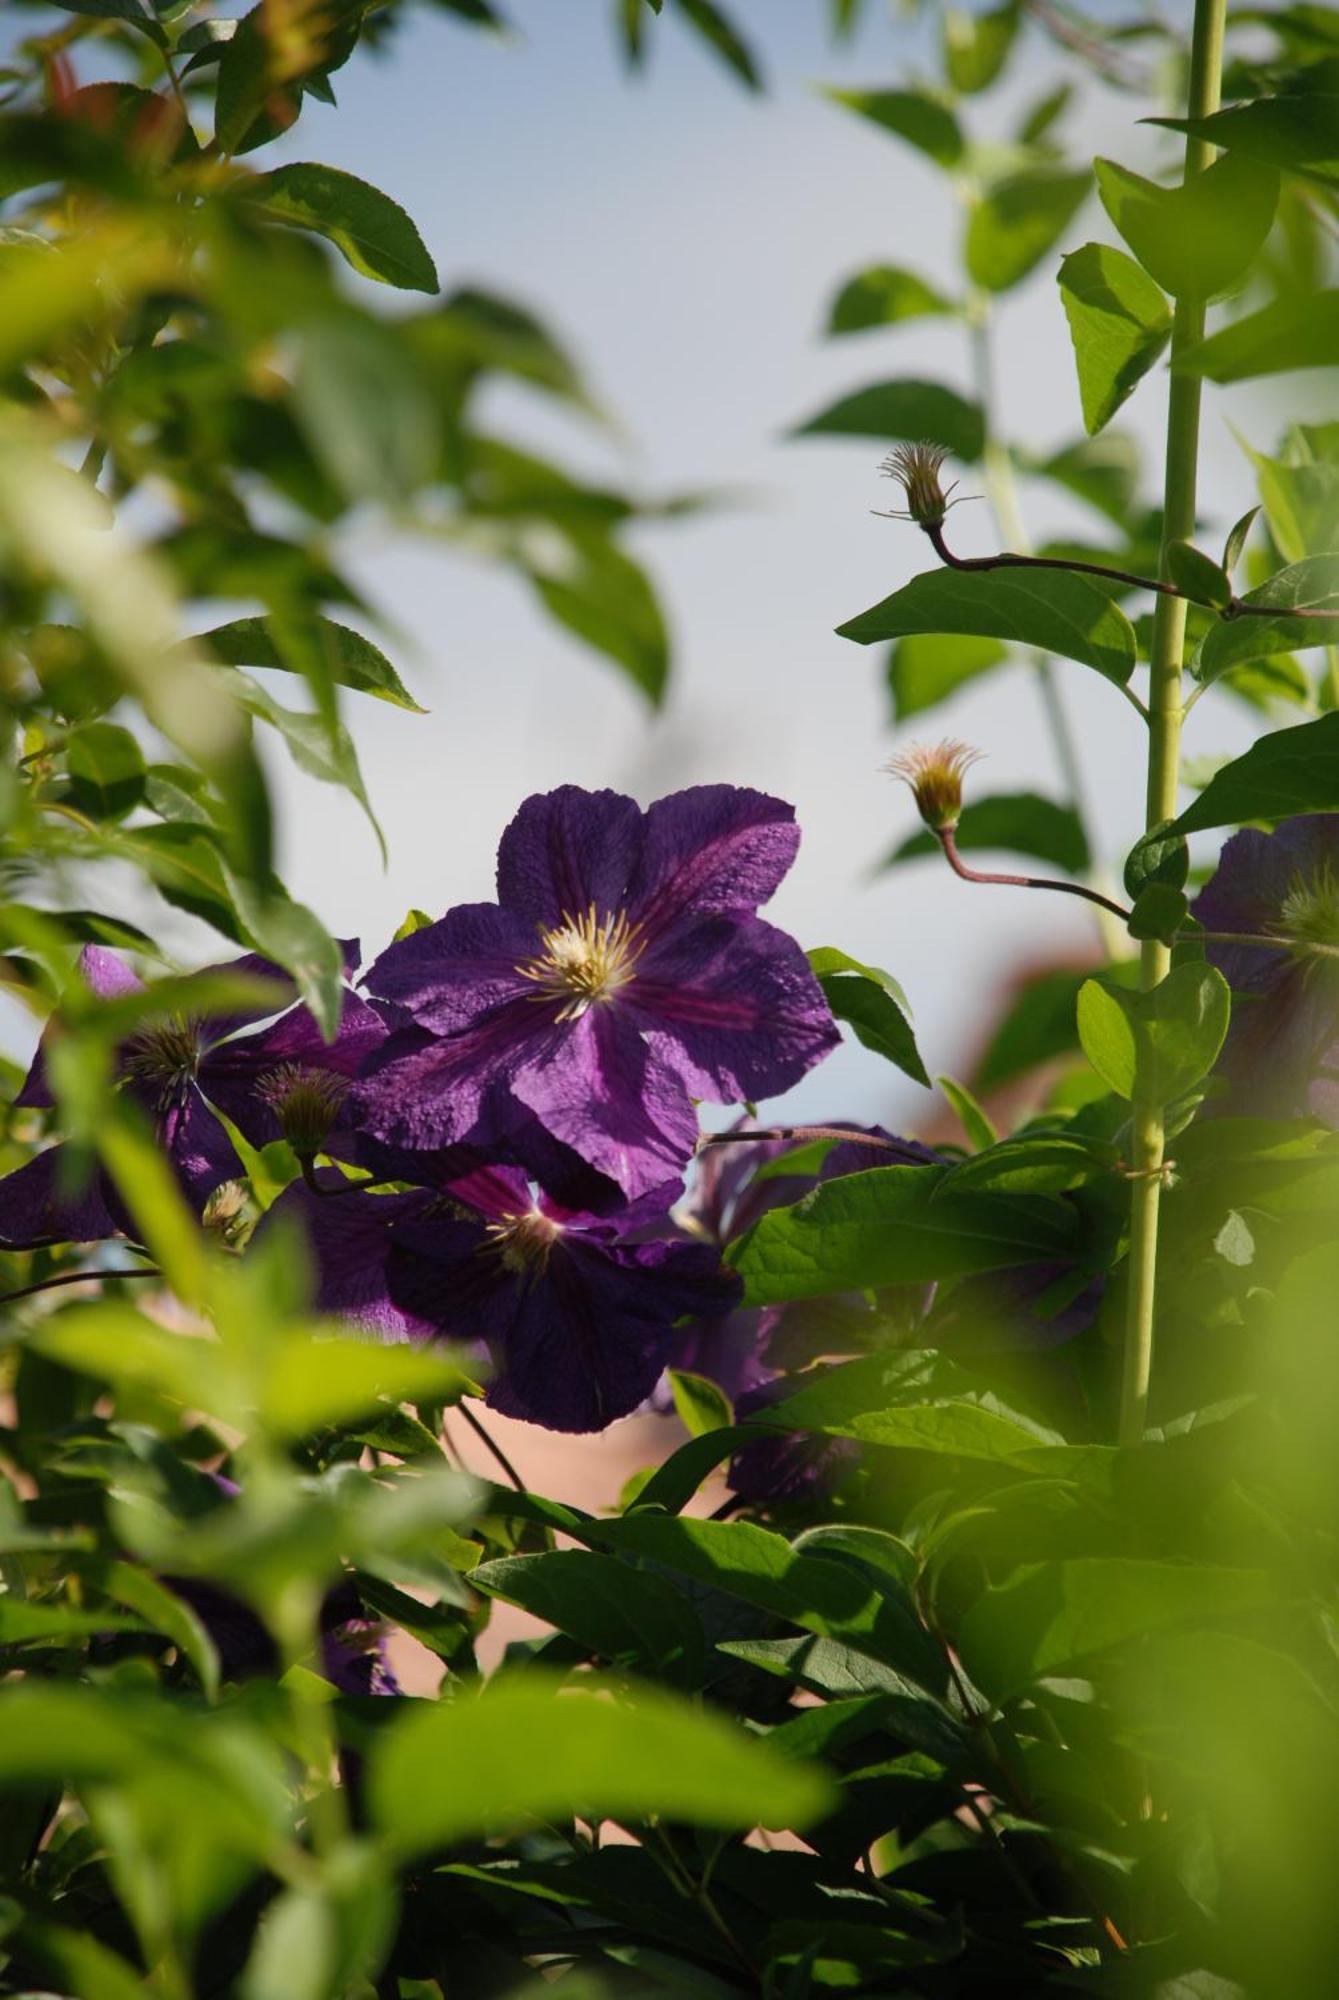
x: 576, y: 1310
x: 622, y: 973
x: 282, y: 1082
x: 1281, y: 1057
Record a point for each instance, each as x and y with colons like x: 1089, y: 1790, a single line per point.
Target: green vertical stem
x: 1164, y: 756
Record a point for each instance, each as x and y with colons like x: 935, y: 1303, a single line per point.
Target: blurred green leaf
x: 925, y: 668
x: 1297, y: 130
x: 719, y: 32
x: 907, y: 410
x: 1103, y: 471
x: 621, y: 1614
x: 1312, y: 584
x: 106, y: 767
x: 1291, y: 333
x: 1198, y: 576
x: 606, y: 599
x: 1049, y: 609
x: 969, y: 1114
x: 1019, y: 822
x: 1017, y: 221
x: 884, y: 295
x: 1119, y: 322
x: 364, y: 408
x: 976, y: 46
x: 925, y: 122
x: 526, y: 1749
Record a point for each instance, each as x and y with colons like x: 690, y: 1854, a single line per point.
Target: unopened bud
x: 916, y: 468
x: 935, y: 773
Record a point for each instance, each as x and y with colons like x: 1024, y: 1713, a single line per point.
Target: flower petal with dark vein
x: 622, y: 973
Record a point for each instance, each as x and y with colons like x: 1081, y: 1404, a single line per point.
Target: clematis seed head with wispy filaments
x: 935, y: 773
x: 916, y: 468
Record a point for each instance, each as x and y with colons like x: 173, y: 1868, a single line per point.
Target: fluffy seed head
x: 306, y: 1102
x: 1309, y: 918
x: 935, y: 773
x: 916, y: 468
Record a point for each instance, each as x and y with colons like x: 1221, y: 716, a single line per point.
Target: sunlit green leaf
x: 914, y: 115
x: 884, y: 295
x: 367, y: 227
x: 1017, y: 221
x: 1198, y: 240
x: 1052, y: 610
x: 1119, y: 322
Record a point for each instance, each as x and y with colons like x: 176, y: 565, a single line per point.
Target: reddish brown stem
x: 77, y: 1278
x: 955, y: 861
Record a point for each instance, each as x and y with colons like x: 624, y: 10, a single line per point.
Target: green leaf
x: 322, y: 749
x: 702, y: 1406
x: 606, y: 599
x: 1103, y: 471
x: 923, y: 121
x: 722, y: 36
x: 1291, y: 333
x: 366, y: 411
x: 129, y: 11
x: 1236, y: 540
x: 1312, y: 584
x: 528, y: 1748
x: 1017, y: 221
x: 837, y: 1672
x: 1290, y: 771
x: 829, y: 1598
x: 1299, y: 130
x: 891, y: 1226
x: 976, y: 46
x: 1198, y: 576
x: 913, y: 1401
x: 884, y: 295
x: 1198, y: 240
x: 1300, y: 495
x: 1158, y: 1044
x: 926, y: 667
x: 911, y: 411
x: 1019, y: 822
x: 1119, y: 322
x: 619, y: 1613
x: 295, y: 938
x: 980, y: 1132
x: 871, y: 1002
x: 370, y: 231
x: 106, y: 767
x: 1159, y: 912
x: 352, y: 661
x: 310, y: 1384
x: 1051, y: 1615
x: 1049, y: 609
x: 1160, y: 855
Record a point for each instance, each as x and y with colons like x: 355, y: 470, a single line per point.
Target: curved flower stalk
x: 622, y: 973
x: 575, y: 1311
x: 181, y: 1072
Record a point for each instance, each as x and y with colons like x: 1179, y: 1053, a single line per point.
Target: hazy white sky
x: 685, y: 239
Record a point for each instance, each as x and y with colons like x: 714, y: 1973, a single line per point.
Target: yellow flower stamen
x: 583, y: 960
x: 524, y: 1242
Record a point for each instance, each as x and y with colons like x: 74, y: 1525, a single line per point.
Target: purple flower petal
x: 453, y: 971
x: 107, y: 976
x: 566, y: 850
x: 601, y: 1090
x: 349, y: 1236
x: 711, y: 849
x: 230, y: 1071
x: 36, y: 1205
x: 734, y: 1009
x: 425, y: 1093
x: 198, y: 1146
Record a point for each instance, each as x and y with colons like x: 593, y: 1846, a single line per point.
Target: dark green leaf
x: 1293, y: 131
x: 925, y: 668
x: 916, y: 1401
x: 526, y: 1749
x: 623, y: 1615
x: 1159, y: 855
x: 1290, y: 771
x: 1199, y: 240
x: 829, y: 1598
x: 1159, y: 912
x: 923, y: 121
x: 1049, y: 609
x: 1051, y: 1615
x: 364, y: 408
x: 129, y: 11
x: 891, y: 1226
x: 874, y: 1005
x: 351, y: 660
x: 1119, y: 322
x: 883, y: 295
x: 1017, y: 221
x: 837, y: 1672
x: 1020, y: 822
x: 910, y: 411
x: 722, y: 36
x: 106, y: 767
x: 1292, y: 333
x: 370, y: 231
x: 1198, y: 576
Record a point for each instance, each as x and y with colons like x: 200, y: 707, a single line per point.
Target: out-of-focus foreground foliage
x: 945, y: 1693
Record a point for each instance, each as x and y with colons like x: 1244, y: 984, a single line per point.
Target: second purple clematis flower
x: 280, y: 1082
x: 575, y: 1310
x: 622, y: 973
x: 1281, y: 1057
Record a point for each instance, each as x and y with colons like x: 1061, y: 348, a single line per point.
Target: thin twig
x: 77, y: 1278
x: 496, y: 1449
x: 804, y: 1132
x: 959, y: 866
